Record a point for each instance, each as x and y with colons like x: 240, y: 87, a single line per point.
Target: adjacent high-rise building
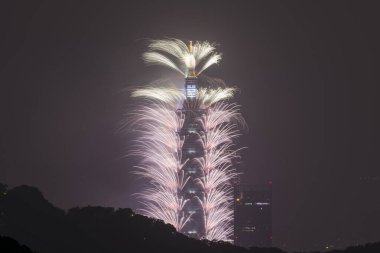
x: 253, y: 215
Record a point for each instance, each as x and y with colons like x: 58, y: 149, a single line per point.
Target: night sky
x: 308, y: 74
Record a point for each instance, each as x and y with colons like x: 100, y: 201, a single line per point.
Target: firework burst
x: 187, y: 60
x: 165, y: 130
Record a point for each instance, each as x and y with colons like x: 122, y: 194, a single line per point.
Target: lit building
x: 192, y: 148
x: 187, y: 144
x: 253, y: 215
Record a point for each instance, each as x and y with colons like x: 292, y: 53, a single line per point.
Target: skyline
x: 309, y: 85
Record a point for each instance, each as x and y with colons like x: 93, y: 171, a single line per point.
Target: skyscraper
x: 253, y: 215
x: 192, y: 149
x: 187, y: 143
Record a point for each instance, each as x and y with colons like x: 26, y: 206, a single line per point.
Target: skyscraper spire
x: 191, y: 73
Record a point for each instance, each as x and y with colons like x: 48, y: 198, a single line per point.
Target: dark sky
x: 308, y: 73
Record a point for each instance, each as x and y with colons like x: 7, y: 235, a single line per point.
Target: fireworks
x: 186, y: 145
x: 189, y: 60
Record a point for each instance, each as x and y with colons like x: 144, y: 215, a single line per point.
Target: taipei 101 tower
x: 192, y: 149
x: 186, y: 143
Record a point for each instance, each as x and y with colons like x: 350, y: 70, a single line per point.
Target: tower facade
x: 192, y: 149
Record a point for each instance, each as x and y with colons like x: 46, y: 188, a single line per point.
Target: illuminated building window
x: 248, y: 229
x: 262, y: 204
x: 192, y: 128
x: 191, y: 90
x: 191, y: 151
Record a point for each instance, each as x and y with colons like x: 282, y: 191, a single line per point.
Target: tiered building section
x: 185, y: 139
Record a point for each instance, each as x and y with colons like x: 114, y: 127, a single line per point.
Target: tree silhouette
x: 29, y: 218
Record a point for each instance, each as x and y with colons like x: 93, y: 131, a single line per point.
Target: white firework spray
x: 160, y: 148
x: 163, y: 134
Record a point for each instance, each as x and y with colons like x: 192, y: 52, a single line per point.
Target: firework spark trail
x: 187, y: 61
x: 217, y: 197
x: 159, y: 144
x: 160, y: 148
